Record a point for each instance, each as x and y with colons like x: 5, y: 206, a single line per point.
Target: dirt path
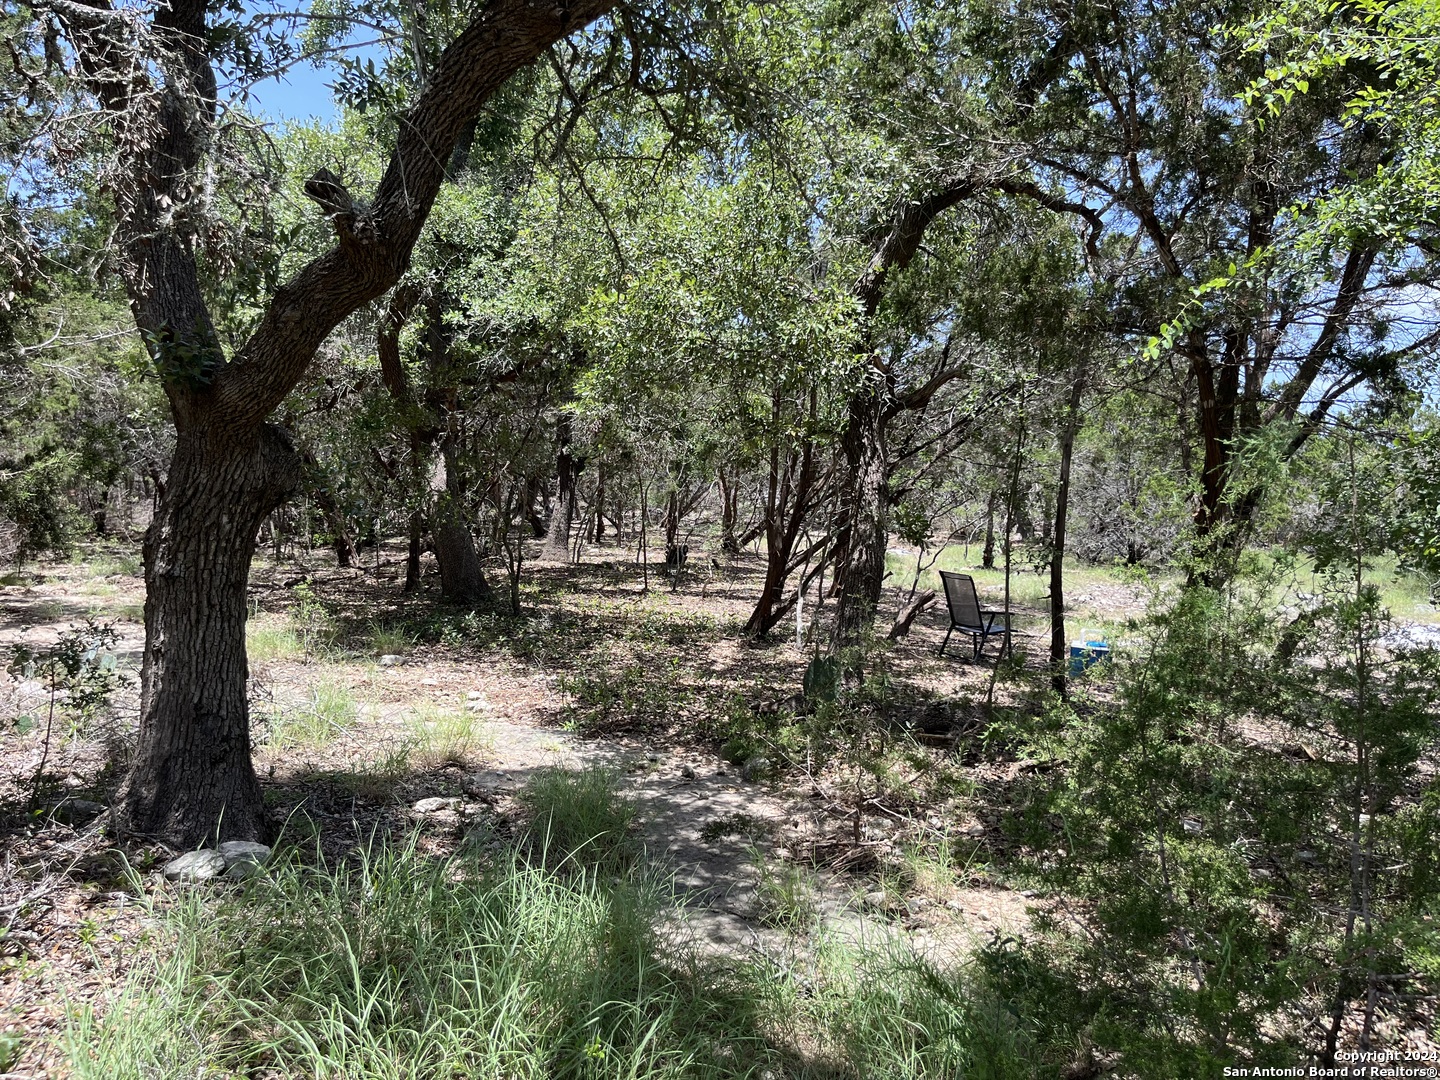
x: 719, y: 838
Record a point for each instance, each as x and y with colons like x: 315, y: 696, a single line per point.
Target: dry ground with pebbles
x: 377, y: 714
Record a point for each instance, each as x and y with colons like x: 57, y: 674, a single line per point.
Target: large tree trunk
x: 191, y: 780
x: 864, y: 533
x: 462, y: 580
x: 567, y: 468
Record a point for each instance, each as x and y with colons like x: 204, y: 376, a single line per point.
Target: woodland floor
x: 596, y: 672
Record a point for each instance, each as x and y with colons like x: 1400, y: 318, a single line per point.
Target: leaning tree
x: 150, y: 75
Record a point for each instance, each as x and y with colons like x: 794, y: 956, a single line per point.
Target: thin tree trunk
x: 729, y: 512
x: 672, y: 526
x: 599, y: 503
x: 644, y: 538
x: 323, y: 496
x: 1059, y: 647
x: 412, y: 554
x: 789, y: 496
x: 533, y: 516
x: 987, y: 553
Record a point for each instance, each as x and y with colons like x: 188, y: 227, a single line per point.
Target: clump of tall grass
x: 440, y: 736
x: 397, y: 966
x: 387, y: 638
x: 785, y: 894
x: 327, y: 710
x: 579, y: 817
x: 400, y: 967
x: 888, y: 1013
x: 265, y: 641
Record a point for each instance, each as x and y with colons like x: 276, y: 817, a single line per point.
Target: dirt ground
x: 69, y: 908
x: 375, y: 712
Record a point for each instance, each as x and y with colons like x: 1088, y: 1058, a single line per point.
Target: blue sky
x: 300, y: 94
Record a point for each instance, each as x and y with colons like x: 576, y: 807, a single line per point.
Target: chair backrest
x: 962, y: 599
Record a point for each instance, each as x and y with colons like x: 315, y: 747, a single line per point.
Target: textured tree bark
x: 863, y: 536
x: 462, y: 579
x: 191, y: 779
x: 567, y: 468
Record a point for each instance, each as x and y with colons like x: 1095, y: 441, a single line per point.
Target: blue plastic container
x: 1084, y: 654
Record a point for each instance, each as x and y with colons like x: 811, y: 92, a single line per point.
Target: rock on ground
x: 195, y: 866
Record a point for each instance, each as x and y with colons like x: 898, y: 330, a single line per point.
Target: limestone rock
x: 195, y: 866
x: 391, y: 660
x: 242, y: 858
x: 436, y: 803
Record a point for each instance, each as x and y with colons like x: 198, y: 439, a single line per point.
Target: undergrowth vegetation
x: 1241, y: 812
x: 579, y: 819
x: 401, y: 967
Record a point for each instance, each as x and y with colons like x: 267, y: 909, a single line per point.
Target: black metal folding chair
x: 968, y: 617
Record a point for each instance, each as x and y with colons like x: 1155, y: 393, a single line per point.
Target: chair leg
x: 947, y: 639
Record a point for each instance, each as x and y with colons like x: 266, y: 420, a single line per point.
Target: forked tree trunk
x: 864, y: 534
x: 191, y: 780
x: 729, y: 512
